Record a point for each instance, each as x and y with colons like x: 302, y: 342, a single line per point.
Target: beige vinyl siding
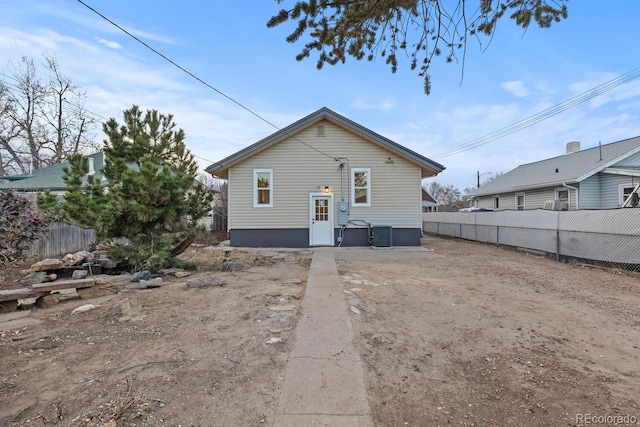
x: 299, y: 170
x: 534, y: 199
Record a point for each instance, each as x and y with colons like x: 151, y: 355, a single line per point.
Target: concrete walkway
x: 324, y: 384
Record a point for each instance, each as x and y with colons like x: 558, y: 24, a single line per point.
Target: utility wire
x: 515, y: 127
x: 543, y: 115
x: 238, y: 103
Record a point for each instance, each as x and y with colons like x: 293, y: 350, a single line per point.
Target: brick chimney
x: 573, y: 147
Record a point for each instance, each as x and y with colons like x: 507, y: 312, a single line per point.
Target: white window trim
x: 496, y: 202
x: 353, y: 185
x: 524, y: 201
x: 621, y: 187
x: 255, y: 188
x: 558, y: 190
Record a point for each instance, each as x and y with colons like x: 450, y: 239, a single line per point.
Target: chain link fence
x: 608, y: 238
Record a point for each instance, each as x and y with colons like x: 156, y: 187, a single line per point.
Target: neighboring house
x: 49, y: 178
x: 323, y: 181
x: 428, y: 203
x: 601, y: 177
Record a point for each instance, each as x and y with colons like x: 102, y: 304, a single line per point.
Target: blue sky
x: 228, y: 45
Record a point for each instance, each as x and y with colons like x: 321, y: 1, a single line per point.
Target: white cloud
x: 516, y: 88
x: 621, y: 93
x: 107, y: 43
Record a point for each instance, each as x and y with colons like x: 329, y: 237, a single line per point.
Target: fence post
x: 558, y: 238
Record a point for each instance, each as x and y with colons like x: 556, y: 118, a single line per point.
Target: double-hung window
x: 624, y: 190
x: 520, y: 201
x: 262, y: 188
x: 361, y: 186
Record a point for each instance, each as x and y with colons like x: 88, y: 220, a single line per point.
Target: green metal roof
x: 49, y: 178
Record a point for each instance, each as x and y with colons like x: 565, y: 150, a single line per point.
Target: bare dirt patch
x: 459, y: 333
x: 476, y: 335
x: 173, y: 356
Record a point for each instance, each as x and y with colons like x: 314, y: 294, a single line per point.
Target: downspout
x: 564, y: 184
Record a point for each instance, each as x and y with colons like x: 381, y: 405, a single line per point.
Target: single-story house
x: 49, y: 178
x: 324, y: 181
x: 600, y: 177
x: 428, y: 203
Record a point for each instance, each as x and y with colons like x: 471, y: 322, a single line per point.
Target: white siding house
x: 288, y: 189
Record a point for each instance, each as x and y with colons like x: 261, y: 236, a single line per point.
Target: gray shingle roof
x: 220, y: 168
x: 568, y: 168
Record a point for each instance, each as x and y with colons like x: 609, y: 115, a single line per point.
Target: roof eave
x: 608, y: 164
x: 428, y: 167
x: 525, y: 187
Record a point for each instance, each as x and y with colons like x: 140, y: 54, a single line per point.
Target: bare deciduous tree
x: 42, y: 117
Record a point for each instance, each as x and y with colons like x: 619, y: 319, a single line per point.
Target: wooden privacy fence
x: 608, y: 237
x: 61, y: 239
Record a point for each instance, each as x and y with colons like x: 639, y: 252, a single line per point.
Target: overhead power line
x: 474, y: 143
x: 184, y: 70
x: 543, y: 115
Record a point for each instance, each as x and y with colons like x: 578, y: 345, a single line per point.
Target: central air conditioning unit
x: 382, y: 236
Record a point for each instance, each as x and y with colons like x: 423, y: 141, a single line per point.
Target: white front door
x: 321, y: 220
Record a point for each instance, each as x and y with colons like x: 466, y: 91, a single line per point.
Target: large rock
x: 47, y: 264
x: 141, y: 275
x: 8, y: 306
x: 79, y: 274
x: 47, y: 301
x: 156, y: 282
x: 205, y: 281
x: 75, y: 259
x: 106, y: 262
x: 39, y: 277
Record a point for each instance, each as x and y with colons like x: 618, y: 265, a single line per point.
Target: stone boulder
x: 47, y: 264
x: 75, y: 259
x: 205, y: 281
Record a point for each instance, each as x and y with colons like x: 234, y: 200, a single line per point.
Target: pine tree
x: 150, y: 194
x: 419, y: 30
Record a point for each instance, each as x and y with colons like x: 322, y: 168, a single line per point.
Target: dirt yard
x: 458, y: 334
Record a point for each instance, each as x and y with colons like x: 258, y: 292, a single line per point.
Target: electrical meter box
x: 343, y: 212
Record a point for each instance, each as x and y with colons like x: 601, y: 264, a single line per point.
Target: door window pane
x: 321, y: 210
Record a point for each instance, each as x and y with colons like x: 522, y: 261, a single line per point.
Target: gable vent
x: 320, y: 130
